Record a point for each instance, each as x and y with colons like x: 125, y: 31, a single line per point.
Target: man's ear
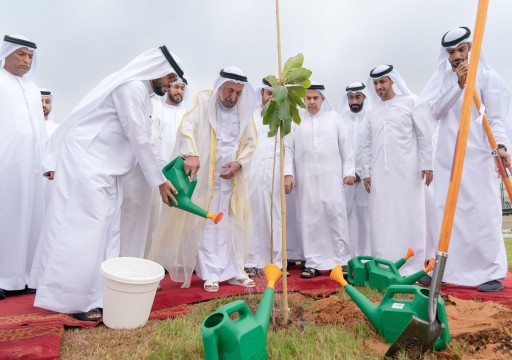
x: 469, y: 46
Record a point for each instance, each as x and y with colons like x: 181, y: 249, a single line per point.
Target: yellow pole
x: 462, y: 136
x: 283, y: 202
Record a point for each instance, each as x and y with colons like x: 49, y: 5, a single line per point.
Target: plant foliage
x: 288, y: 94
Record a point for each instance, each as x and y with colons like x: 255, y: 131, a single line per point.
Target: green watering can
x: 394, y: 312
x: 358, y: 272
x: 245, y: 337
x: 383, y: 273
x: 176, y: 175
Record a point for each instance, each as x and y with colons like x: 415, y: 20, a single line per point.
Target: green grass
x: 508, y: 248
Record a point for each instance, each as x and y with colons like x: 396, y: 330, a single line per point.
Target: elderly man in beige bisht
x: 217, y: 137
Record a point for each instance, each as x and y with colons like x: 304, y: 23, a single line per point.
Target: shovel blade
x: 417, y: 338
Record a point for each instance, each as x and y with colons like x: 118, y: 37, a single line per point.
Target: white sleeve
x: 367, y: 148
x: 289, y: 150
x: 346, y: 150
x: 130, y: 100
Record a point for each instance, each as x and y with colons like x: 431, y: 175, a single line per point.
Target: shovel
x: 420, y: 336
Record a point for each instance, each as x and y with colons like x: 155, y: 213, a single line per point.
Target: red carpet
x: 33, y: 333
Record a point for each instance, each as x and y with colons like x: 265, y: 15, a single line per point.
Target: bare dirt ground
x: 478, y: 330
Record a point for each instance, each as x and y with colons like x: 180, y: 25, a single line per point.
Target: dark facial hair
x: 356, y: 107
x: 175, y: 100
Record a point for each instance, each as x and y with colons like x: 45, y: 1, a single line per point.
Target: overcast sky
x: 81, y: 41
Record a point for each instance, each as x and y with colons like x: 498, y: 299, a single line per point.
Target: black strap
x: 355, y: 88
x: 455, y: 41
x: 171, y: 60
x: 14, y: 40
x: 316, y: 87
x: 46, y: 93
x: 382, y: 73
x: 228, y: 75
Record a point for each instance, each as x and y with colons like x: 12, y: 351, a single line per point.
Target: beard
x: 175, y: 99
x: 356, y: 107
x: 228, y: 104
x: 46, y: 112
x: 157, y: 87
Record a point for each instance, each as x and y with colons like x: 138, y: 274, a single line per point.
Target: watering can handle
x: 385, y: 262
x: 238, y: 306
x: 365, y: 257
x: 400, y: 289
x: 170, y: 165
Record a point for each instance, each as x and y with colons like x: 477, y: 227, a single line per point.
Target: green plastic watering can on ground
x: 176, y: 175
x: 245, y: 337
x: 399, y: 304
x: 383, y: 273
x: 358, y: 271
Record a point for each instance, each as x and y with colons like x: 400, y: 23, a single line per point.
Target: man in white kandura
x: 261, y: 195
x: 217, y: 137
x: 22, y: 140
x: 47, y: 103
x: 397, y: 164
x: 321, y: 152
x: 138, y: 216
x: 167, y: 114
x: 103, y: 138
x: 354, y: 111
x: 477, y: 254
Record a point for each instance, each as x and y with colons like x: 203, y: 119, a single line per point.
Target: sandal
x: 211, y: 286
x: 309, y: 273
x: 253, y: 272
x: 88, y: 316
x: 242, y: 280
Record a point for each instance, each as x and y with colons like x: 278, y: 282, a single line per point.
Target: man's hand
x: 462, y: 73
x: 505, y: 157
x: 50, y: 174
x: 232, y: 167
x: 367, y: 184
x: 289, y: 184
x: 428, y: 175
x: 167, y: 190
x: 191, y: 167
x: 348, y: 180
x: 358, y: 179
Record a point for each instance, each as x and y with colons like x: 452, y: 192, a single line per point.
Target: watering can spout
x: 366, y: 306
x: 176, y: 175
x: 272, y: 273
x: 410, y: 253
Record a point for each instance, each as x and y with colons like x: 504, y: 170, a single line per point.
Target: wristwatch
x: 501, y: 146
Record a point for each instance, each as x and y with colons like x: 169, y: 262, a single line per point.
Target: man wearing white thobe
x: 353, y: 116
x: 167, y: 114
x: 47, y: 103
x: 102, y: 140
x: 319, y: 155
x: 217, y: 137
x: 477, y: 254
x: 22, y: 139
x: 263, y: 169
x: 393, y: 173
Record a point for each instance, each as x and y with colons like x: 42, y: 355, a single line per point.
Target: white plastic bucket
x: 129, y: 288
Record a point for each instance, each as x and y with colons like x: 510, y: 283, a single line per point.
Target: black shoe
x: 2, y: 294
x: 491, y: 286
x: 344, y: 270
x: 91, y: 315
x: 425, y: 280
x: 303, y: 266
x: 29, y: 290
